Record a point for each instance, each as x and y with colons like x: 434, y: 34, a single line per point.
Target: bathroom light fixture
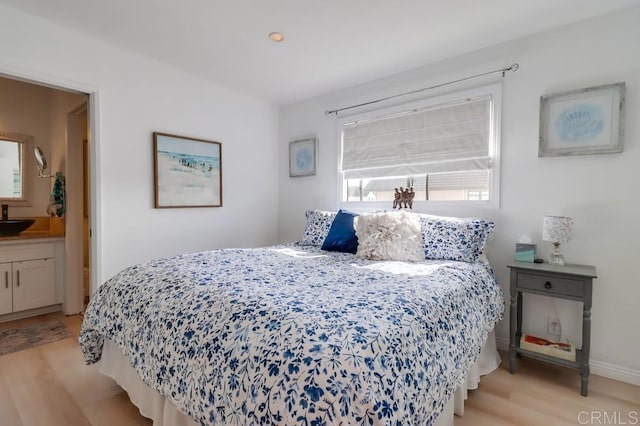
x: 276, y: 37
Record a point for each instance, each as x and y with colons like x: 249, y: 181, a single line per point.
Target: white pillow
x: 389, y: 236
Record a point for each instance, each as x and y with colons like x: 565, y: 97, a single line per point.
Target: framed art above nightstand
x: 583, y: 121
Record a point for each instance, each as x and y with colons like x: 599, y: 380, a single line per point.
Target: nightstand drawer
x: 551, y: 284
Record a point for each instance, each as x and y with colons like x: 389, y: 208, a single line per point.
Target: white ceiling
x: 329, y: 44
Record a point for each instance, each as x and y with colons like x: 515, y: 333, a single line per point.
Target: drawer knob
x: 547, y: 285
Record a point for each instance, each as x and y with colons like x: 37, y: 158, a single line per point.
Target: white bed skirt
x: 154, y: 406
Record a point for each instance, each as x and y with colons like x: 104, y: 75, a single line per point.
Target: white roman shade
x: 446, y: 138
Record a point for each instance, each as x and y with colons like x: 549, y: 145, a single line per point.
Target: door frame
x: 74, y: 217
x: 93, y: 118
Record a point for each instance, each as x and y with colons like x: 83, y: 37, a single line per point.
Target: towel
x: 57, y: 199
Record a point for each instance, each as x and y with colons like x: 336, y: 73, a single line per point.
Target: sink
x: 14, y: 226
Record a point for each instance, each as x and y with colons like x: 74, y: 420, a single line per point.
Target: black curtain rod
x: 502, y: 71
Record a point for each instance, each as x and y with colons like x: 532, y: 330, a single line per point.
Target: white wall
x: 598, y: 191
x: 25, y: 108
x: 136, y: 97
x: 61, y: 104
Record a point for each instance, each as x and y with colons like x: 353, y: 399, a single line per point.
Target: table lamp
x: 557, y: 229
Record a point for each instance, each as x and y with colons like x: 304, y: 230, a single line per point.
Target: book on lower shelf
x: 561, y: 350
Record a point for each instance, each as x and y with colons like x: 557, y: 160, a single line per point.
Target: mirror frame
x: 27, y: 166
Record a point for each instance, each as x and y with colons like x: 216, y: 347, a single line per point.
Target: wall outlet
x: 553, y: 326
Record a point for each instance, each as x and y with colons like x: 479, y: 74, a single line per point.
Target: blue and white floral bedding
x: 296, y: 335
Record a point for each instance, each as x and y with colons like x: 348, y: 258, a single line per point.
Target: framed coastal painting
x: 303, y: 157
x: 584, y: 121
x: 187, y: 171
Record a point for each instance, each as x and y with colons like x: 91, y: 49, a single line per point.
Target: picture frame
x: 187, y: 171
x: 303, y: 157
x: 583, y: 121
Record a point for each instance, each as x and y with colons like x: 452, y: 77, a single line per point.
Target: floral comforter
x: 296, y: 335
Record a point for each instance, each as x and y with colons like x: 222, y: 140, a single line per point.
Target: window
x: 11, y: 158
x: 445, y: 148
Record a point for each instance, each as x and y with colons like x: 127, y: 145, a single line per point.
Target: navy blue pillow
x: 342, y: 234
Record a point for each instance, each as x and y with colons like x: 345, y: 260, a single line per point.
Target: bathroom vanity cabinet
x: 30, y: 277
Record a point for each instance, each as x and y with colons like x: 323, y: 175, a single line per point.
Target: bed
x: 294, y: 334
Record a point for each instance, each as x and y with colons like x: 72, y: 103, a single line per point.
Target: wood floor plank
x: 72, y: 322
x: 544, y: 394
x: 67, y: 363
x: 615, y: 389
x: 116, y: 410
x: 38, y: 395
x: 507, y: 410
x: 475, y: 417
x: 8, y: 411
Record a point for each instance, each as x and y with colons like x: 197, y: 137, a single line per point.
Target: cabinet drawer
x: 548, y: 284
x: 17, y: 253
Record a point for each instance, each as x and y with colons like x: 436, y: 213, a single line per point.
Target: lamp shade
x: 557, y: 229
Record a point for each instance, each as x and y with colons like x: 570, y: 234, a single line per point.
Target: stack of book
x: 556, y: 349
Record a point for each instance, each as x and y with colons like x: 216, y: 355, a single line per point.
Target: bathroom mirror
x: 41, y: 161
x: 14, y: 177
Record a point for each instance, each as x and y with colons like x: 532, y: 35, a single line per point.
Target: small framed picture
x: 584, y: 121
x: 187, y: 171
x: 303, y: 157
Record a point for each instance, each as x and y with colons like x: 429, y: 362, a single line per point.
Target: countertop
x: 26, y: 235
x: 43, y: 228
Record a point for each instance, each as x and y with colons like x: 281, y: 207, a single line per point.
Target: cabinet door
x: 6, y: 289
x: 34, y: 284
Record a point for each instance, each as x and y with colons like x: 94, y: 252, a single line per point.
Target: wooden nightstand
x: 573, y: 282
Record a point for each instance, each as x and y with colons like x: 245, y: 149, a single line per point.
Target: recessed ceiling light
x: 276, y: 36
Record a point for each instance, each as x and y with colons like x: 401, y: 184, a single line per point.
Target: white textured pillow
x: 389, y: 236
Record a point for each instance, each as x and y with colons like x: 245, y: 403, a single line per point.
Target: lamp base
x: 556, y: 259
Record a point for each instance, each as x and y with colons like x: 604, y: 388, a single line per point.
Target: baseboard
x: 600, y: 368
x: 615, y: 372
x: 30, y: 313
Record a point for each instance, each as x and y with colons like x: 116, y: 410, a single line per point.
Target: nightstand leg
x: 584, y: 376
x: 519, y: 311
x: 586, y: 342
x: 513, y: 326
x: 519, y: 329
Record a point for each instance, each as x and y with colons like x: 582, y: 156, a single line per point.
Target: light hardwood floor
x: 49, y: 385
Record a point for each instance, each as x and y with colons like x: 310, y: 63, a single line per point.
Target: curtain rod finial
x: 514, y: 67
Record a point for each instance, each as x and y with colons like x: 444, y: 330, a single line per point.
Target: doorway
x: 77, y: 149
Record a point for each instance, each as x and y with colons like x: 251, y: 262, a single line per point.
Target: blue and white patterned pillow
x: 317, y: 228
x: 452, y: 238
